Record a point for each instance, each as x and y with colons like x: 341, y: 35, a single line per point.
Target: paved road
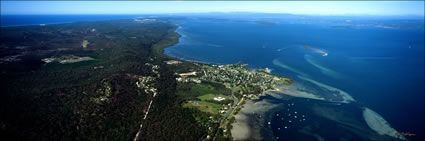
x: 235, y: 102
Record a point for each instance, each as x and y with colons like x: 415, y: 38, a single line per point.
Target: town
x: 222, y: 103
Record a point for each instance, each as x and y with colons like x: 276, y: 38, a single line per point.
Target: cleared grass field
x: 204, y: 106
x: 205, y: 94
x: 204, y: 89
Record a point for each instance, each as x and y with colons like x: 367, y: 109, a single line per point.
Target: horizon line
x: 219, y: 12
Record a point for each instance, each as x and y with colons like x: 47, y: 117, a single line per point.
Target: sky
x: 382, y: 8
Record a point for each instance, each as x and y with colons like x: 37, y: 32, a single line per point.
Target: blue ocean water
x: 382, y: 68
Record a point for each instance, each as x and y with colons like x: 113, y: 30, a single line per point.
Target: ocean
x: 381, y: 68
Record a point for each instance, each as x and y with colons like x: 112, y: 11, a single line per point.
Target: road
x: 235, y: 102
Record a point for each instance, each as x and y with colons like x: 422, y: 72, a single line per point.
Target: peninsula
x: 110, y: 80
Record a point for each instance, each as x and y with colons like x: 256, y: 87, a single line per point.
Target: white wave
x: 323, y: 69
x: 377, y: 123
x: 282, y: 65
x: 345, y: 96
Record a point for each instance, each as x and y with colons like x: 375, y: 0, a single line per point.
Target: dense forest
x: 94, y: 99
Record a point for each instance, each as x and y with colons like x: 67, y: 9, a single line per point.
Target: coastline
x: 246, y: 125
x: 248, y: 121
x: 181, y: 35
x: 243, y: 127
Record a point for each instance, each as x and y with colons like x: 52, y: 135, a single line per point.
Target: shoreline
x: 239, y: 128
x: 245, y: 127
x: 181, y: 58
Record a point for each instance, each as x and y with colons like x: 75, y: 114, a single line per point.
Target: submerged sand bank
x: 346, y: 98
x: 377, y: 123
x: 248, y: 121
x: 296, y: 90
